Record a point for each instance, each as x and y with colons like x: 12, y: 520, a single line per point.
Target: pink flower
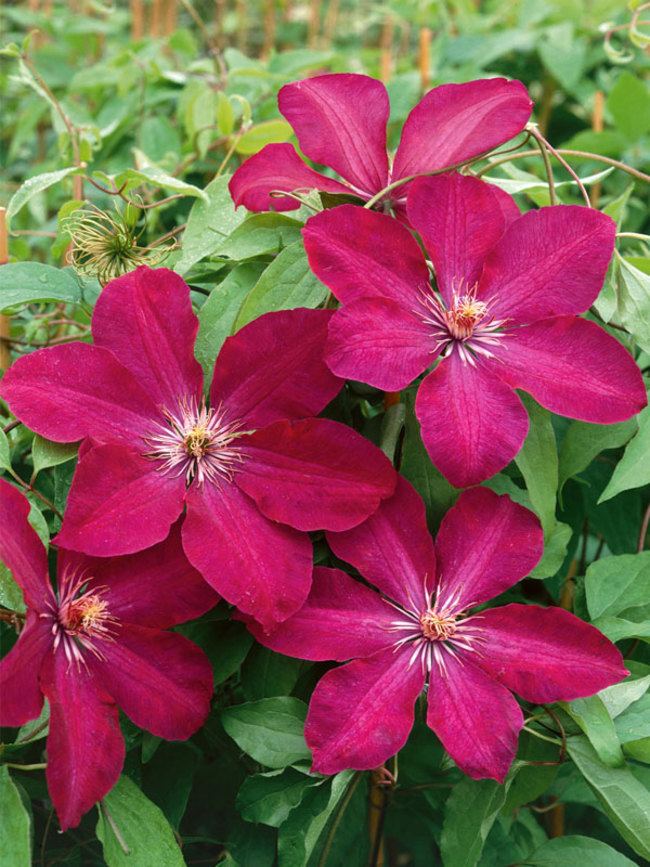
x: 253, y: 471
x: 503, y: 316
x: 361, y: 713
x: 97, y: 643
x: 340, y: 121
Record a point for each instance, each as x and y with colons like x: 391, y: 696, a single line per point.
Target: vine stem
x: 401, y: 181
x: 571, y: 153
x: 337, y: 819
x: 543, y: 148
x: 57, y: 105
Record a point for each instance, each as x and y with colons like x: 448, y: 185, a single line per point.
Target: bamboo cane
x: 5, y: 321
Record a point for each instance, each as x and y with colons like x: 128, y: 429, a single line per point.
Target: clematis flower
x: 253, y: 469
x: 419, y: 627
x: 96, y: 643
x: 340, y: 121
x: 503, y: 316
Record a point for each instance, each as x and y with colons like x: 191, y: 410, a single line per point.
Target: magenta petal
x: 145, y: 318
x: 273, y: 369
x: 459, y: 220
x: 340, y: 121
x: 277, y: 167
x: 393, y: 548
x: 85, y: 749
x: 476, y: 718
x: 262, y: 567
x: 574, y: 368
x: 161, y: 680
x: 455, y: 122
x: 365, y: 254
x: 549, y: 262
x: 485, y: 544
x: 21, y: 551
x: 314, y: 474
x: 75, y: 390
x: 157, y: 587
x: 546, y: 654
x: 341, y: 619
x: 119, y: 503
x: 362, y: 713
x: 22, y: 698
x: 377, y: 341
x: 472, y: 424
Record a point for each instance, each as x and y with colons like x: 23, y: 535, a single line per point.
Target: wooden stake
x: 137, y: 19
x: 386, y: 56
x: 424, y: 58
x: 170, y: 14
x: 5, y: 321
x: 331, y: 17
x: 313, y: 24
x: 156, y: 16
x: 269, y: 28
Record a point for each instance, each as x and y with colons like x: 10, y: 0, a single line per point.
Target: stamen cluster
x: 81, y: 618
x: 195, y: 443
x: 465, y: 325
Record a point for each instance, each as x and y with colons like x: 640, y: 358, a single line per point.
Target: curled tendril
x: 105, y: 245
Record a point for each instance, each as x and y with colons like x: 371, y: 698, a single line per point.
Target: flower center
x: 465, y: 326
x: 437, y: 627
x: 196, y: 443
x: 82, y: 619
x: 465, y: 314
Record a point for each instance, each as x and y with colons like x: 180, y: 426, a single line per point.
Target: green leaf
x: 168, y: 778
x: 151, y: 174
x: 617, y: 628
x: 303, y: 833
x: 287, y: 283
x: 525, y: 182
x: 35, y: 185
x: 470, y: 812
x: 633, y: 301
x: 5, y: 453
x: 266, y: 674
x: 15, y: 840
x: 142, y: 826
x: 593, y: 718
x: 416, y: 466
x: 208, y: 224
x: 25, y: 282
x: 34, y: 725
x: 563, y: 54
x: 267, y: 132
x: 633, y: 723
x: 260, y: 235
x: 623, y: 798
x: 571, y: 851
x: 616, y: 584
x: 633, y: 470
x: 11, y: 596
x: 218, y: 314
x: 538, y: 463
x: 46, y: 453
x: 583, y: 441
x: 269, y: 730
x: 269, y: 798
x: 629, y: 105
x: 618, y: 697
x: 225, y: 114
x: 555, y: 548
